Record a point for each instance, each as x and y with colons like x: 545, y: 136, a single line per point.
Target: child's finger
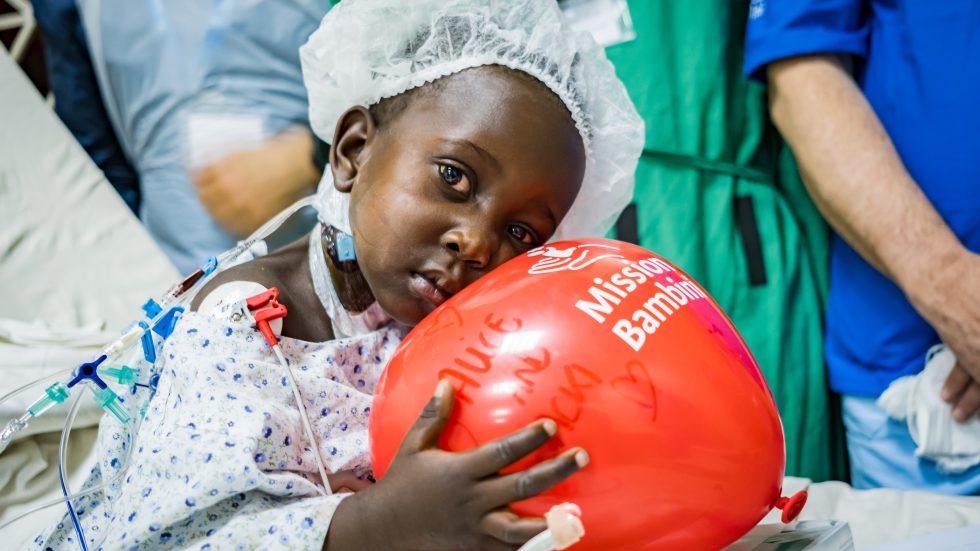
x: 495, y: 455
x: 531, y: 482
x: 425, y: 433
x: 505, y: 526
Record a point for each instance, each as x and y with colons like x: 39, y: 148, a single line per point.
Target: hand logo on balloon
x: 556, y: 260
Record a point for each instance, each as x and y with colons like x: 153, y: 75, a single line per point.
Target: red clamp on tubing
x: 792, y: 506
x: 265, y: 307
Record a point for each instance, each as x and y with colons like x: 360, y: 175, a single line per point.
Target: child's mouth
x: 427, y: 289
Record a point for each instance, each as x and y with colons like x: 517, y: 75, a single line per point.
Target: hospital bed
x: 72, y: 255
x: 76, y: 265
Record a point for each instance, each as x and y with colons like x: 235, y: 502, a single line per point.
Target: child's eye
x: 457, y: 178
x: 521, y: 234
x: 451, y: 175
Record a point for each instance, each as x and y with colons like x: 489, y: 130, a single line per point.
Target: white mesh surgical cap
x: 368, y: 50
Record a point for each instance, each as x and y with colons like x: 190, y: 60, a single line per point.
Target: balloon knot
x: 792, y: 506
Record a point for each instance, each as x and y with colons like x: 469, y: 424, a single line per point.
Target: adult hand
x: 440, y: 500
x: 963, y: 392
x: 246, y: 188
x: 952, y: 306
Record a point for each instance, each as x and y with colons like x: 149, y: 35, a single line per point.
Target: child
x: 463, y: 133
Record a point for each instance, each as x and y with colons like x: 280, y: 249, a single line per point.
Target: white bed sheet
x: 883, y: 517
x: 71, y: 253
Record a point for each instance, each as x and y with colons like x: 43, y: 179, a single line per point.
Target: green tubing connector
x: 125, y: 375
x: 54, y: 394
x: 106, y: 398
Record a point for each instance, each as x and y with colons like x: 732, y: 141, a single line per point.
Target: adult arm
x: 246, y: 188
x: 861, y: 186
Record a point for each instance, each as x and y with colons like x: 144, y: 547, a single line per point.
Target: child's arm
x: 433, y: 499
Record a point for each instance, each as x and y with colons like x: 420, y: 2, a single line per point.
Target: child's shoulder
x: 285, y: 269
x: 259, y: 271
x: 276, y: 269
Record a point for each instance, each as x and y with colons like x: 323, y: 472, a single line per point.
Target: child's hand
x: 433, y: 499
x: 347, y: 482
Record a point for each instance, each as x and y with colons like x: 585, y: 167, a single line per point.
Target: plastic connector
x: 265, y: 307
x: 125, y: 375
x: 151, y: 308
x: 88, y: 371
x: 210, y: 265
x: 53, y: 395
x: 128, y: 337
x: 345, y: 247
x: 107, y: 399
x: 165, y: 325
x: 149, y: 352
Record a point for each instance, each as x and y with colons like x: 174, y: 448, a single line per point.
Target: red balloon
x: 636, y: 364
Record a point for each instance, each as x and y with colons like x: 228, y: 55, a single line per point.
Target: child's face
x: 460, y: 181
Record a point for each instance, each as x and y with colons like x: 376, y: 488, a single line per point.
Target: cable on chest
x: 264, y: 308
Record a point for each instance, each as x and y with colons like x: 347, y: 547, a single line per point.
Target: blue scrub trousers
x: 882, y: 454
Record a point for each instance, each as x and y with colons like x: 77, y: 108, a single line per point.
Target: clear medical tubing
x: 317, y: 453
x: 62, y: 478
x: 175, y: 296
x: 61, y: 500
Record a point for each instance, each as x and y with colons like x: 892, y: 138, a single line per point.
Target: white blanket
x: 954, y: 446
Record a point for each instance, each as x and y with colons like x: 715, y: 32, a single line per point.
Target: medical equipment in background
x: 159, y: 317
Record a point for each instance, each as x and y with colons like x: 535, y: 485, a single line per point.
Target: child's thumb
x: 425, y: 433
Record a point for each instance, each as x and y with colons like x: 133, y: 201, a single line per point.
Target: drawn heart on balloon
x: 637, y: 387
x: 445, y: 318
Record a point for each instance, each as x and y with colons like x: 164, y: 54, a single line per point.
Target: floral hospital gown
x: 221, y: 460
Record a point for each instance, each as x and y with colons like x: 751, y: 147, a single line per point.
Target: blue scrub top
x: 918, y: 63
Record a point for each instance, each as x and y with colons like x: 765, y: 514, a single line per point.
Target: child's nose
x: 473, y: 246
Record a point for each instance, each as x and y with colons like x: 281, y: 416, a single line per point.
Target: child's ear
x: 351, y: 139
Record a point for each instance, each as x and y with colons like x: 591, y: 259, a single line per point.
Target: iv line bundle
x: 128, y: 362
